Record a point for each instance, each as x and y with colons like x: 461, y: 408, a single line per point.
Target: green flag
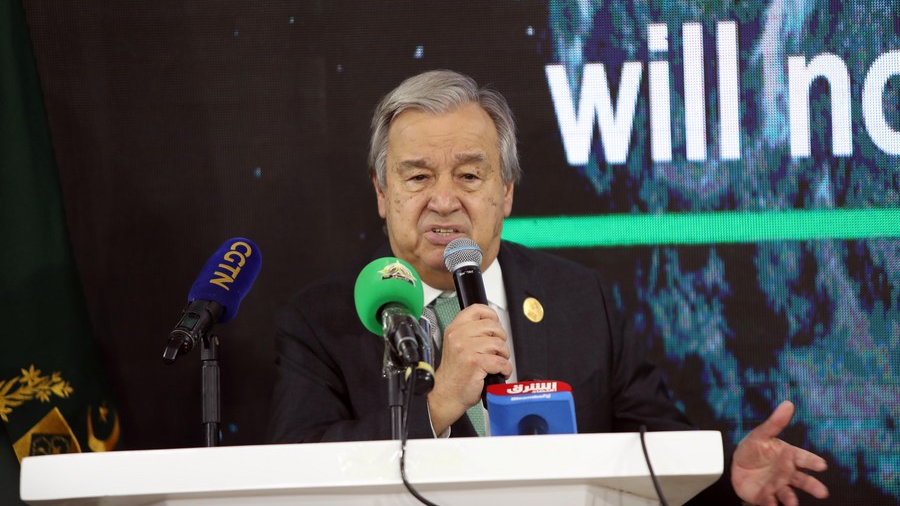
x: 53, y: 396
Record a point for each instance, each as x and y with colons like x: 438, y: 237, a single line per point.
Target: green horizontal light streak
x: 701, y: 228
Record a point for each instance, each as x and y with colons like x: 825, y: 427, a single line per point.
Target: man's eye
x: 469, y: 177
x: 418, y: 178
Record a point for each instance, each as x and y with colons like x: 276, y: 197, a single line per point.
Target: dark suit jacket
x: 329, y: 384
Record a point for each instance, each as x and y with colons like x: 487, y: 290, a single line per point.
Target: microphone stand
x: 395, y: 374
x: 395, y: 402
x: 211, y: 399
x: 181, y: 341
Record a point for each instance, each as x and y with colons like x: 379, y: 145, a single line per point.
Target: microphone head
x: 228, y: 275
x: 460, y: 252
x: 384, y: 281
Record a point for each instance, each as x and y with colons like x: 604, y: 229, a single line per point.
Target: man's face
x: 443, y: 181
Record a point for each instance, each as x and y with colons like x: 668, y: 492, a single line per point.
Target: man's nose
x: 444, y: 198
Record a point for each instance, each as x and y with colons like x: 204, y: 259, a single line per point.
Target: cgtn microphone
x: 216, y: 294
x: 462, y: 257
x: 531, y: 407
x: 389, y: 300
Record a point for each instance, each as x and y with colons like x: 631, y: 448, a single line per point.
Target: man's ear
x: 379, y: 194
x: 508, y: 198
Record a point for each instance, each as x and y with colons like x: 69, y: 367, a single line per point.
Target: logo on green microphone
x: 397, y: 270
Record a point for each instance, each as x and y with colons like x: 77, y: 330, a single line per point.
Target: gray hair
x: 439, y: 92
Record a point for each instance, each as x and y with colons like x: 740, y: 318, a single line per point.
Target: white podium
x: 582, y: 469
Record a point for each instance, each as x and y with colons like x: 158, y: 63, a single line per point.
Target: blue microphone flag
x: 228, y: 275
x: 531, y: 407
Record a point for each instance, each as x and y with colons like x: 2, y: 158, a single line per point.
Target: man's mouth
x: 445, y: 231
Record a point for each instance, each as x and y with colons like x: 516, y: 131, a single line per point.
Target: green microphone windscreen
x: 383, y: 281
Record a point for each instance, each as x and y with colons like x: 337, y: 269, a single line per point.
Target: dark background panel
x: 179, y: 125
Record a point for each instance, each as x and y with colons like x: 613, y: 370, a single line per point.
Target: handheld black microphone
x: 216, y: 294
x: 463, y: 258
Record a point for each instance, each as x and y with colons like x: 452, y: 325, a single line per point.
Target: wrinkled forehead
x: 465, y: 136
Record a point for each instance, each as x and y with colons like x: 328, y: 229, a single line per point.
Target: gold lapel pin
x: 534, y: 311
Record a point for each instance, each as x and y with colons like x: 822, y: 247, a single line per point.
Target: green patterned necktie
x: 446, y: 309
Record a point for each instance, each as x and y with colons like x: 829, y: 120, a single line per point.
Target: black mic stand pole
x: 211, y: 399
x: 395, y: 402
x: 396, y: 376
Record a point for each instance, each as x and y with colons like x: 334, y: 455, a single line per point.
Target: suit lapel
x: 531, y: 340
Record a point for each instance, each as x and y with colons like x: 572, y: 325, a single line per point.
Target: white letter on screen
x: 800, y: 77
x: 577, y: 128
x: 883, y: 68
x: 729, y: 93
x: 694, y: 92
x: 660, y: 110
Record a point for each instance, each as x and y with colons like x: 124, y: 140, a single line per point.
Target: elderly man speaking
x: 444, y: 165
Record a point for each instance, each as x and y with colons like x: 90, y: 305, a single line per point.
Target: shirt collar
x: 493, y: 287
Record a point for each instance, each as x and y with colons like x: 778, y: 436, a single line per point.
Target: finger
x: 485, y: 328
x: 497, y: 347
x: 482, y: 345
x: 776, y: 422
x: 497, y: 365
x: 475, y: 330
x: 478, y: 312
x: 462, y: 348
x: 787, y: 497
x: 769, y: 501
x: 810, y: 485
x: 475, y: 367
x: 808, y: 460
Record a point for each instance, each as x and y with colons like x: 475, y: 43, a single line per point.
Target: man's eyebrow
x: 470, y: 157
x: 413, y: 163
